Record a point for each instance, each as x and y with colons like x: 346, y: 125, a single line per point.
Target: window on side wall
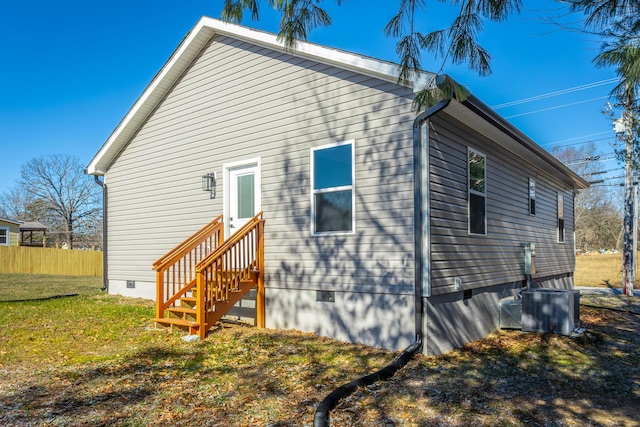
x: 560, y: 218
x: 4, y: 236
x: 477, y: 192
x: 532, y: 196
x: 332, y: 195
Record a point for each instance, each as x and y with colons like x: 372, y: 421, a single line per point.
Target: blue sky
x: 71, y: 69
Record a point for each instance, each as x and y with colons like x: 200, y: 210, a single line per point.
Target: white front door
x: 243, y: 190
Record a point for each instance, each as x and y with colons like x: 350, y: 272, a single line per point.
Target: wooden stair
x: 214, y: 290
x: 184, y: 315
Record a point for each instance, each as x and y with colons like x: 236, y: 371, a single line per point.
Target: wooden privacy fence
x: 59, y: 262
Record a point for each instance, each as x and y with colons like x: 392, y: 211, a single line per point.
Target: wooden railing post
x: 220, y: 237
x: 159, y: 294
x: 200, y: 309
x: 260, y: 294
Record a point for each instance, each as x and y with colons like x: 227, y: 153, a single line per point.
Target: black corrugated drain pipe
x: 322, y: 412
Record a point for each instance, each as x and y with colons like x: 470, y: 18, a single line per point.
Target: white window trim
x: 332, y: 189
x: 477, y: 193
x: 8, y: 242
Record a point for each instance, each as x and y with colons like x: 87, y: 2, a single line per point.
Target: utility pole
x: 628, y: 260
x: 634, y: 266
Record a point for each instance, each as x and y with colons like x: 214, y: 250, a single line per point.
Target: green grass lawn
x: 95, y: 360
x: 599, y: 270
x: 31, y: 286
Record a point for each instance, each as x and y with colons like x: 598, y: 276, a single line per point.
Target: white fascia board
x: 12, y: 221
x: 144, y: 105
x: 191, y: 46
x: 487, y: 122
x: 362, y: 64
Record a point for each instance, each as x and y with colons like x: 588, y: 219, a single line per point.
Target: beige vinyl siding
x: 496, y: 258
x: 240, y: 101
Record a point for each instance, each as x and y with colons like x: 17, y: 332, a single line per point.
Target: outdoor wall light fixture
x: 209, y: 183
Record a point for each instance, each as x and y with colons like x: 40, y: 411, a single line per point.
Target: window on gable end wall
x: 560, y: 218
x: 332, y: 189
x: 477, y: 186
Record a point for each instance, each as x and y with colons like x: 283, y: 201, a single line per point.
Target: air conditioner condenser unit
x: 550, y: 310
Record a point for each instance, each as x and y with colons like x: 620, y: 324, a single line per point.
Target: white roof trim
x: 191, y: 46
x: 12, y: 221
x: 485, y: 121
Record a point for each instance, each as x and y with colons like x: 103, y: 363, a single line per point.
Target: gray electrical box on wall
x: 529, y: 258
x: 131, y: 284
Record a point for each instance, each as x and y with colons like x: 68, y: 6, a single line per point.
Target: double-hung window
x: 477, y: 192
x: 532, y: 196
x: 560, y: 218
x: 332, y: 195
x: 5, y: 236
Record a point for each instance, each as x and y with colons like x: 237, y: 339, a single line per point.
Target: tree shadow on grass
x: 534, y: 379
x: 246, y: 377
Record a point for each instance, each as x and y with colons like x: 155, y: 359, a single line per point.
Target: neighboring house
x: 381, y: 224
x: 9, y: 230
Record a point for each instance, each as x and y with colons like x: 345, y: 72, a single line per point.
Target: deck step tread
x: 187, y: 310
x: 176, y: 321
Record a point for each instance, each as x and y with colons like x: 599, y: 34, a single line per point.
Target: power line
x: 621, y: 184
x: 556, y: 93
x: 597, y: 158
x: 603, y: 172
x: 564, y: 92
x: 557, y: 106
x: 578, y: 137
x: 582, y: 142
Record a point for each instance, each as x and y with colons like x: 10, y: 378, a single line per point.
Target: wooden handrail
x: 175, y: 271
x: 235, y: 237
x: 190, y: 243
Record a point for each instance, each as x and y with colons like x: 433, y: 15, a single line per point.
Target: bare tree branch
x: 59, y: 183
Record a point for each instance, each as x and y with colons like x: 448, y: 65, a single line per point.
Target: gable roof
x: 471, y: 111
x: 12, y: 221
x: 190, y: 48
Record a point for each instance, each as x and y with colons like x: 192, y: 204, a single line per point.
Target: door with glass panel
x: 244, y: 200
